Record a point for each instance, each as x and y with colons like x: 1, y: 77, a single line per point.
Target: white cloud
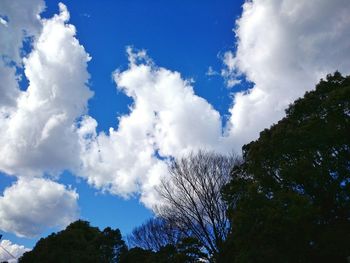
x: 284, y: 47
x: 9, y: 89
x: 15, y: 250
x: 229, y: 72
x: 30, y: 206
x: 211, y: 72
x: 38, y: 133
x: 18, y: 20
x: 166, y: 118
x: 38, y: 126
x: 22, y: 20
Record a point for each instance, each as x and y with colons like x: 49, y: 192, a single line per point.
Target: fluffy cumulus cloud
x: 19, y: 21
x: 9, y: 88
x: 166, y: 119
x: 284, y: 48
x: 38, y: 134
x: 11, y: 252
x: 38, y: 125
x: 30, y: 206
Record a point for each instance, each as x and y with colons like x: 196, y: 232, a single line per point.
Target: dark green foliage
x: 110, y: 245
x: 137, y: 254
x: 289, y: 200
x: 187, y: 250
x: 79, y: 242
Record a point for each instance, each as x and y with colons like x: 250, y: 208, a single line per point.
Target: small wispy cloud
x: 85, y: 15
x: 211, y: 72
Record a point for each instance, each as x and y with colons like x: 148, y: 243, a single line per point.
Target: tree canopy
x: 79, y: 242
x: 289, y: 200
x: 186, y: 250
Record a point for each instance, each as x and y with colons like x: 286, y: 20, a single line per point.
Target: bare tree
x: 192, y: 197
x: 154, y: 234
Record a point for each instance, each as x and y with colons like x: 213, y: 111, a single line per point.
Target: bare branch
x: 192, y: 197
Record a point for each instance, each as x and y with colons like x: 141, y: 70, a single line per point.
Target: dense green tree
x: 79, y: 242
x: 110, y: 245
x: 137, y: 254
x: 188, y: 250
x: 289, y: 200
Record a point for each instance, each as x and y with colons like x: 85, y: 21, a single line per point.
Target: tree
x: 289, y: 200
x: 137, y: 254
x: 187, y: 250
x: 192, y: 198
x: 79, y: 242
x: 154, y: 234
x: 110, y: 245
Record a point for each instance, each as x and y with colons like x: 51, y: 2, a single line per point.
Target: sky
x: 97, y: 96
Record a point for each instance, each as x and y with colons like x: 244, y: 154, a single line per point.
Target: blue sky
x: 106, y: 92
x: 180, y: 35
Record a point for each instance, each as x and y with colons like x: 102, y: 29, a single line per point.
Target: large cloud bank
x: 283, y: 47
x: 37, y: 126
x: 19, y: 20
x: 38, y: 133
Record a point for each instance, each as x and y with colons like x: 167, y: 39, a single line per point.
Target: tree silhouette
x: 187, y: 250
x: 290, y: 198
x: 79, y: 242
x: 154, y: 234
